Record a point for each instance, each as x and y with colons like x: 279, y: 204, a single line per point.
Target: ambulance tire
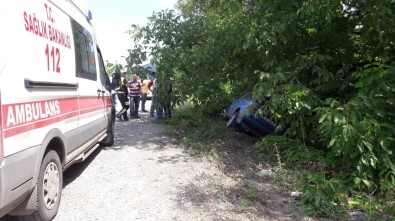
x: 49, y: 187
x: 109, y: 140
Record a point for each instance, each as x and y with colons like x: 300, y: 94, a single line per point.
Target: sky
x: 111, y: 20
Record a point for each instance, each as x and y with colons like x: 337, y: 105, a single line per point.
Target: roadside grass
x: 324, y: 188
x: 196, y: 130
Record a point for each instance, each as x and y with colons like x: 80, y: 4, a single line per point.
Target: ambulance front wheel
x: 49, y: 187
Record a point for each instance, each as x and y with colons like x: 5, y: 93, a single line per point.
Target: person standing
x: 122, y: 93
x: 144, y: 90
x: 151, y: 87
x: 135, y: 93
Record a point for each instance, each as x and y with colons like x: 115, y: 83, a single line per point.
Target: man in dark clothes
x: 123, y: 93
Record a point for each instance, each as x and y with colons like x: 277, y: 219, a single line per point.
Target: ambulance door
x: 91, y: 118
x: 105, y: 88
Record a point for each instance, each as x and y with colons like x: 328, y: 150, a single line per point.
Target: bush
x: 326, y: 185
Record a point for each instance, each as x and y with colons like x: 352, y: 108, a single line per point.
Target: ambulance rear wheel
x: 49, y: 187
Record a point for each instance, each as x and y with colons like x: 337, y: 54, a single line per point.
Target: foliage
x: 326, y: 189
x: 324, y: 197
x: 140, y: 71
x: 113, y: 68
x: 324, y: 69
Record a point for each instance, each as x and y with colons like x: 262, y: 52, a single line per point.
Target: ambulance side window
x: 84, y: 52
x: 105, y: 80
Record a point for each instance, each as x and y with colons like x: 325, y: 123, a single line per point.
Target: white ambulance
x: 55, y: 101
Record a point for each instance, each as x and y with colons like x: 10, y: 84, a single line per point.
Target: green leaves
x: 112, y: 68
x: 368, y: 145
x: 324, y: 69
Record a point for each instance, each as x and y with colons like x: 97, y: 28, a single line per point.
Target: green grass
x: 195, y: 129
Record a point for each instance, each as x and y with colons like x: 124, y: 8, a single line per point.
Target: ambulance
x: 55, y: 101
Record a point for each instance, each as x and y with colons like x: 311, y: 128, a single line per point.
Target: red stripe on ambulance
x: 1, y: 134
x: 22, y: 117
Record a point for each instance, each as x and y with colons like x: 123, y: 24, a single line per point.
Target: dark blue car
x: 242, y: 112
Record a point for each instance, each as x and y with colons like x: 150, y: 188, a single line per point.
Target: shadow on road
x: 75, y: 170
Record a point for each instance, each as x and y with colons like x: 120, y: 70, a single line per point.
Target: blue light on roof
x: 89, y: 15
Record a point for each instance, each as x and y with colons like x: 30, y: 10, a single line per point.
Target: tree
x: 324, y: 69
x: 112, y: 68
x: 140, y: 71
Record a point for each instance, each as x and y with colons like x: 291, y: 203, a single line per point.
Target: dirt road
x: 146, y: 176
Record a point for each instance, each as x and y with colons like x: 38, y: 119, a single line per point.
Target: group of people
x: 129, y: 94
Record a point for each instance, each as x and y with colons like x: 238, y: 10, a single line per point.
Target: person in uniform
x: 123, y: 96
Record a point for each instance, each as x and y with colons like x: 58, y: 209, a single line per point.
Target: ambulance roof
x: 80, y: 5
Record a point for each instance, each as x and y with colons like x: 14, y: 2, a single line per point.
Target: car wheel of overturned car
x: 233, y: 120
x: 49, y: 187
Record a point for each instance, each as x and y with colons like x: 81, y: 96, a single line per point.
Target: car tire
x: 49, y: 187
x: 109, y: 140
x: 233, y: 120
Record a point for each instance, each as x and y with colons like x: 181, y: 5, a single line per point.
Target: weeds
x: 327, y: 187
x: 195, y: 129
x: 243, y: 204
x: 222, y: 193
x: 251, y: 193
